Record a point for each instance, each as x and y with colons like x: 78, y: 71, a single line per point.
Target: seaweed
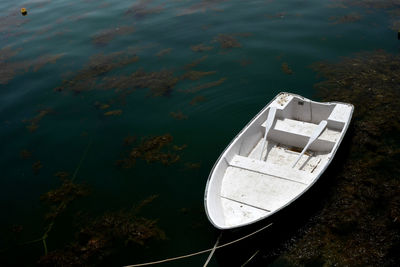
x: 160, y: 83
x: 358, y: 224
x: 197, y: 99
x: 36, y: 167
x: 104, y: 236
x: 39, y: 63
x: 106, y: 36
x: 98, y: 65
x: 101, y: 106
x: 201, y: 48
x: 164, y: 52
x: 196, y: 75
x: 59, y: 198
x: 195, y: 63
x: 7, y: 69
x: 206, y: 86
x: 11, y: 23
x: 142, y: 9
x: 201, y: 6
x: 286, y: 69
x: 116, y: 112
x: 348, y: 18
x: 392, y: 8
x: 227, y: 41
x: 153, y: 149
x: 33, y: 123
x: 178, y: 115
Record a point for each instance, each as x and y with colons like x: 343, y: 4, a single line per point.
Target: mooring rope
x: 202, y: 251
x: 252, y: 256
x: 212, y: 251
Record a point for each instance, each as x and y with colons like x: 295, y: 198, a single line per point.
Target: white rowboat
x: 277, y: 157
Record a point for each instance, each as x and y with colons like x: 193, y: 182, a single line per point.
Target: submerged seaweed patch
x: 178, y: 115
x: 9, y: 69
x: 160, y: 83
x: 103, y: 236
x: 228, y: 41
x: 106, y: 36
x: 59, y: 198
x: 359, y: 223
x: 143, y: 8
x: 33, y: 123
x: 205, y: 86
x: 100, y: 64
x: 153, y: 149
x: 286, y: 69
x: 201, y: 48
x: 164, y: 52
x: 348, y: 18
x: 197, y: 99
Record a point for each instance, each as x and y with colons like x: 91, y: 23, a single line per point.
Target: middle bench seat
x: 277, y: 171
x: 297, y: 133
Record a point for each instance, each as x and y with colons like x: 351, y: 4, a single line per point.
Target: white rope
x: 200, y: 252
x: 212, y: 251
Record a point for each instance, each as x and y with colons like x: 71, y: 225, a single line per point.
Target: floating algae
x: 160, y: 83
x: 201, y: 48
x: 104, y: 236
x: 40, y: 62
x: 34, y: 122
x: 142, y: 9
x: 9, y: 69
x: 36, y: 167
x: 59, y: 198
x: 10, y: 24
x: 197, y: 99
x: 106, y: 36
x: 196, y: 62
x: 178, y: 115
x: 227, y: 41
x: 392, y: 7
x: 98, y: 65
x: 164, y: 52
x: 201, y: 6
x: 153, y: 149
x: 359, y: 223
x: 352, y: 17
x: 101, y: 106
x: 196, y: 75
x: 286, y: 69
x: 116, y: 112
x: 205, y: 86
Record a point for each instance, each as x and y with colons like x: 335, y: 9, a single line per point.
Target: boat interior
x: 264, y: 168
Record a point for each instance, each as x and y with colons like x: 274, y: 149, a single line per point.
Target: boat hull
x: 253, y: 178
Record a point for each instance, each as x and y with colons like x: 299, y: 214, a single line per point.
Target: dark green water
x: 245, y: 46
